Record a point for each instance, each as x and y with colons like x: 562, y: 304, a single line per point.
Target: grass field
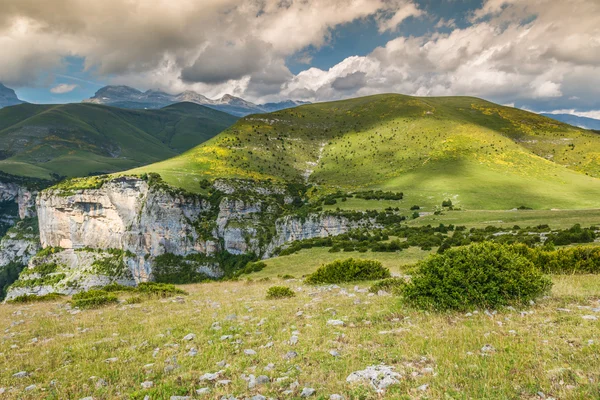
x: 308, y: 260
x: 109, y: 352
x: 480, y: 155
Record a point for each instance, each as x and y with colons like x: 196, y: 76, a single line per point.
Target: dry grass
x: 543, y: 350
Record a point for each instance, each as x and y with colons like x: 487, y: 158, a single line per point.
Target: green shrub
x: 115, y: 287
x: 390, y: 285
x: 252, y: 267
x: 349, y: 270
x: 159, y: 289
x: 572, y: 260
x: 32, y: 298
x: 134, y: 300
x: 279, y: 292
x: 93, y: 298
x: 479, y: 275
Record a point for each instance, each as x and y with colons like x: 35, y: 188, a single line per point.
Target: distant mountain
x: 80, y: 139
x: 8, y: 97
x: 127, y: 97
x: 582, y: 122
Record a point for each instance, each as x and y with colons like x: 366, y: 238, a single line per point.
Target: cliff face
x: 145, y: 221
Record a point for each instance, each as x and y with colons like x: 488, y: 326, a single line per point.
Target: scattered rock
x: 590, y: 317
x: 307, y: 392
x: 30, y: 388
x: 488, y: 348
x: 147, y: 384
x: 21, y: 374
x: 334, y: 353
x: 249, y: 352
x: 211, y: 377
x: 204, y: 390
x: 189, y: 336
x: 335, y: 322
x: 290, y: 354
x: 336, y: 397
x: 378, y: 377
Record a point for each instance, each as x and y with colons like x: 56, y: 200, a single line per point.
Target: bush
x: 485, y: 275
x: 32, y: 298
x: 390, y: 285
x: 279, y: 292
x: 252, y: 267
x: 159, y: 289
x: 573, y: 260
x: 133, y: 300
x: 93, y: 298
x: 349, y: 270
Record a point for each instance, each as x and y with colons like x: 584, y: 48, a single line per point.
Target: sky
x: 540, y: 55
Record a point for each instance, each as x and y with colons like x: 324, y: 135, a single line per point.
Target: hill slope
x: 79, y: 139
x: 128, y: 97
x: 582, y: 122
x: 479, y: 154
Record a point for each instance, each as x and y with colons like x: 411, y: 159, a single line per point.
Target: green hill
x: 476, y: 153
x: 80, y: 139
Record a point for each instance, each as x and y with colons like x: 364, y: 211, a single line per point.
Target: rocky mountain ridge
x: 128, y: 97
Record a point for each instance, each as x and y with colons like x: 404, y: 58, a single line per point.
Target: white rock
x: 189, y: 336
x: 335, y: 322
x: 307, y: 392
x: 379, y: 377
x: 249, y: 352
x: 147, y: 384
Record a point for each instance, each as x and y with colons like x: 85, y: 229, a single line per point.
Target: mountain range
x: 582, y: 122
x: 128, y: 97
x: 41, y: 141
x: 8, y: 97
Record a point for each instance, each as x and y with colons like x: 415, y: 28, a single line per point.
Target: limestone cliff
x: 160, y: 229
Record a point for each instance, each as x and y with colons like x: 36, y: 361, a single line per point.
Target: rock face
x: 8, y: 97
x: 148, y: 222
x: 23, y: 197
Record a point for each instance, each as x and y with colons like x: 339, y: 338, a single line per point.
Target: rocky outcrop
x: 70, y: 271
x: 20, y: 243
x: 153, y: 223
x: 22, y: 196
x: 293, y: 228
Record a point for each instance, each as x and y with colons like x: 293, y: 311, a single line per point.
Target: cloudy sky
x: 541, y: 55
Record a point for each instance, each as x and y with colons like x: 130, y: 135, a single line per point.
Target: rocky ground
x: 226, y: 340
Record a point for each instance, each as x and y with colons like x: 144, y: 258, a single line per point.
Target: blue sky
x: 542, y: 55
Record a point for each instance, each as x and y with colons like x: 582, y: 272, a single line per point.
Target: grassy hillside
x: 108, y: 353
x: 79, y: 139
x: 479, y: 154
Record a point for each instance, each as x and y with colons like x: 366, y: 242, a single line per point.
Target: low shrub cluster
x: 572, y: 260
x: 159, y: 289
x: 252, y: 267
x: 485, y: 275
x: 349, y: 270
x: 32, y: 298
x: 93, y: 299
x: 390, y: 285
x: 279, y: 292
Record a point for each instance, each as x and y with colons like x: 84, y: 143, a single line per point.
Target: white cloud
x: 63, y: 88
x: 540, y: 54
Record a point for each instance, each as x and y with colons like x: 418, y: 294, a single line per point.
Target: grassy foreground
x: 109, y: 352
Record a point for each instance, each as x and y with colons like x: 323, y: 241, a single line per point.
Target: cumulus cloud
x: 536, y: 54
x: 540, y: 54
x: 63, y: 88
